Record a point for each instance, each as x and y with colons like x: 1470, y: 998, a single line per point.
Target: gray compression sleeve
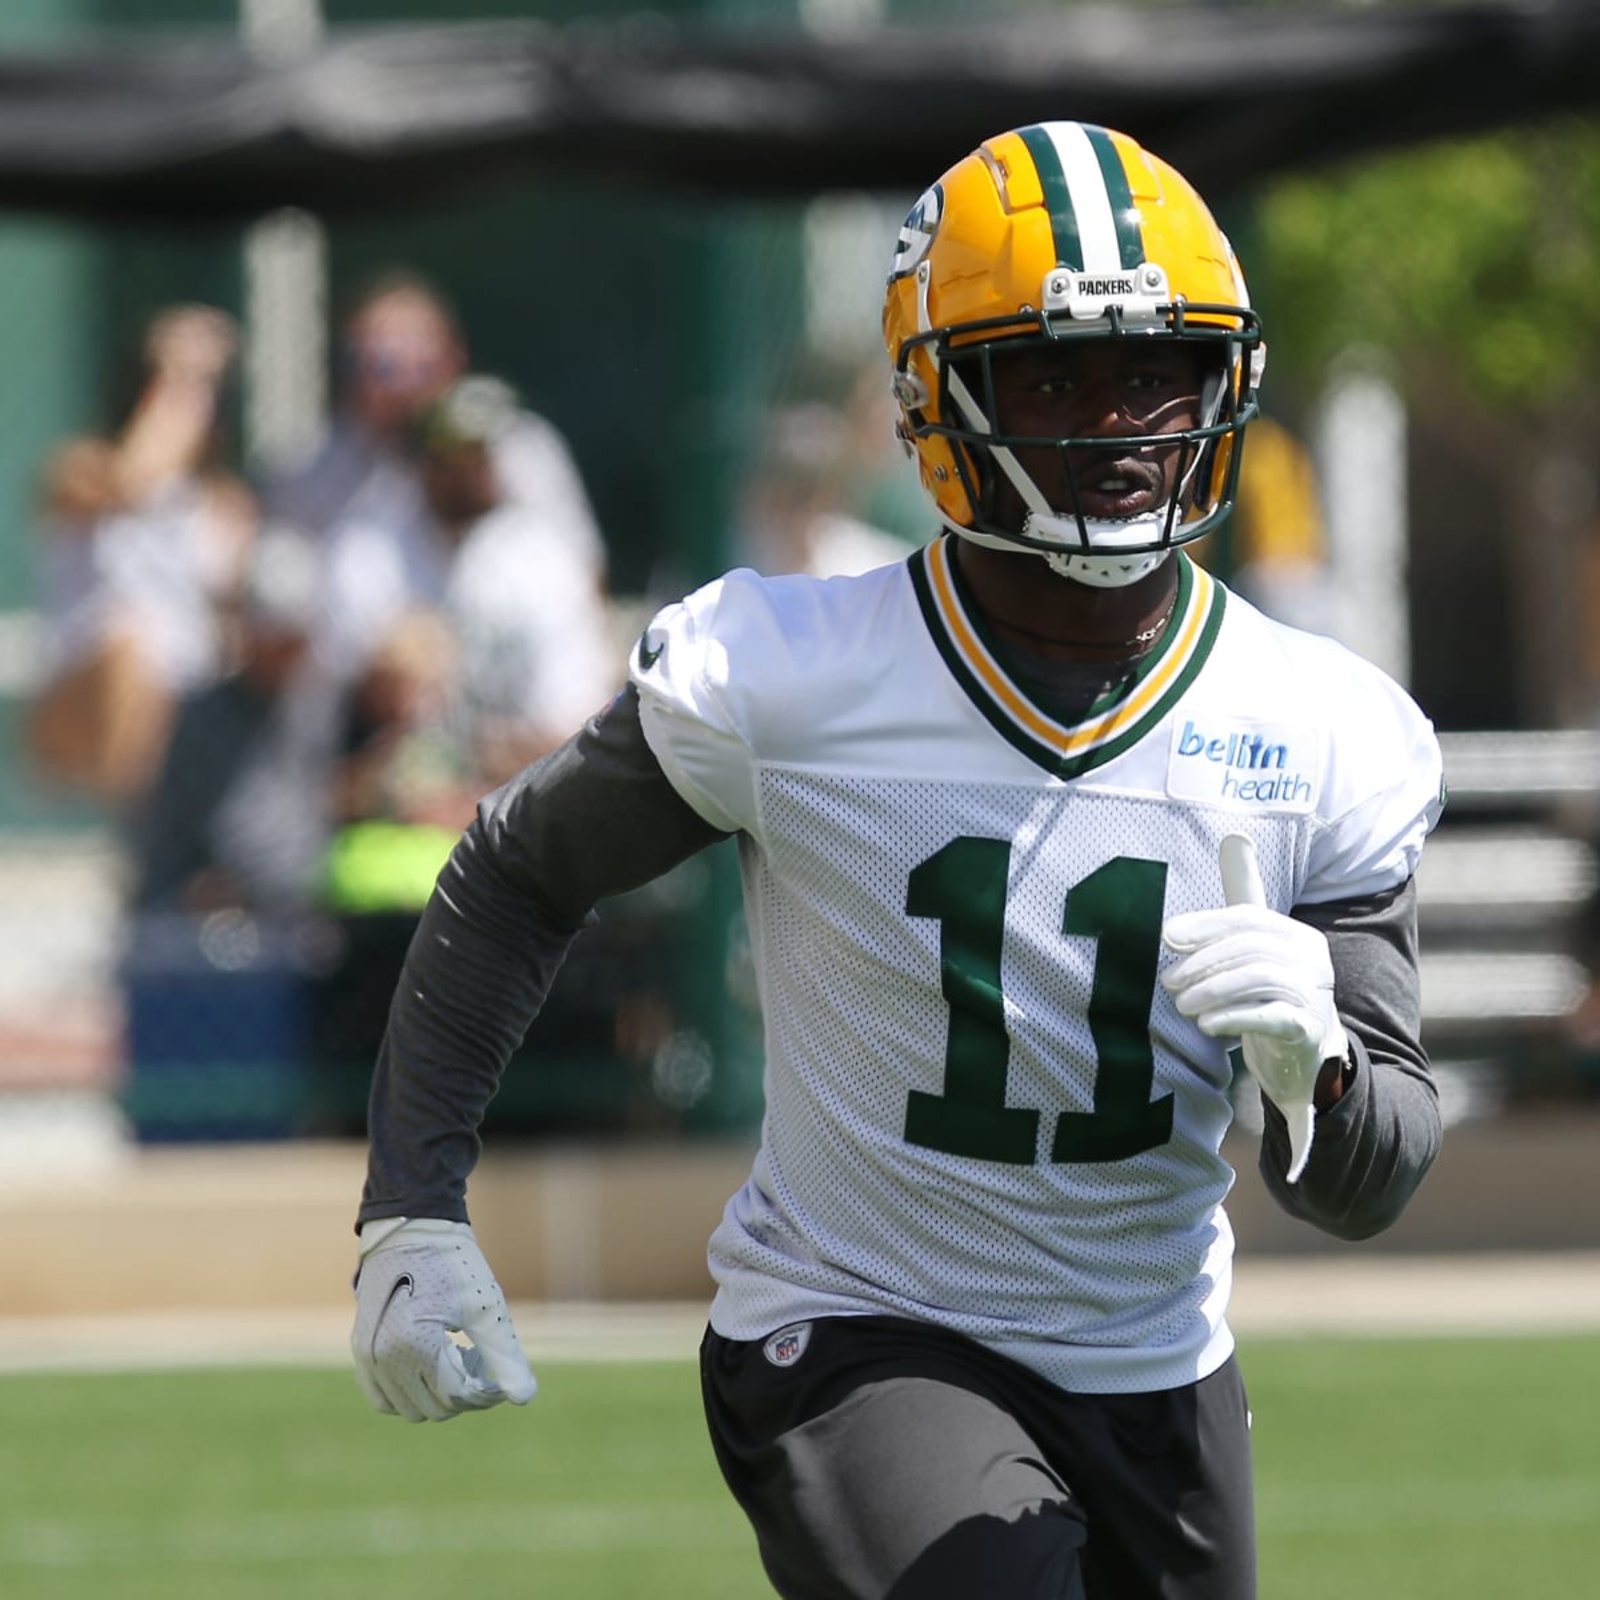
x: 1374, y: 1146
x: 594, y: 818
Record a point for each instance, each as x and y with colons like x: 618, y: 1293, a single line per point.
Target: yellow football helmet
x: 1063, y: 230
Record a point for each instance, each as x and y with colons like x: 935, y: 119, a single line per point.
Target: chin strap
x: 1105, y: 568
x: 1105, y: 572
x: 1097, y: 571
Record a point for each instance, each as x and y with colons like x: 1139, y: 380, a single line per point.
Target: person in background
x: 401, y: 747
x: 401, y: 350
x: 880, y: 476
x: 531, y: 627
x: 238, y: 816
x: 145, y: 539
x: 406, y: 781
x: 1035, y: 826
x: 797, y: 517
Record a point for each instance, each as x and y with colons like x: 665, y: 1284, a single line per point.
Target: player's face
x: 1111, y: 389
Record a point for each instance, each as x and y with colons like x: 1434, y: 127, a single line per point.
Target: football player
x: 1034, y: 827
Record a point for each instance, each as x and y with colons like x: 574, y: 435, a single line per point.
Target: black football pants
x: 890, y: 1460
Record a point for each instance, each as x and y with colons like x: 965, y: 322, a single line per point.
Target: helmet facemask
x: 1049, y: 509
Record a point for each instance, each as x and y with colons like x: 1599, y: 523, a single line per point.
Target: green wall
x: 47, y: 275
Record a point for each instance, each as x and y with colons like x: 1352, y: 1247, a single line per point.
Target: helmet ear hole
x: 948, y: 478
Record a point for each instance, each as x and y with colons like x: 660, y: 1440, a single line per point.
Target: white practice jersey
x: 982, y: 1109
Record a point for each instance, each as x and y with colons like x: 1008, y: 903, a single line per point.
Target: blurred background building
x: 261, y: 476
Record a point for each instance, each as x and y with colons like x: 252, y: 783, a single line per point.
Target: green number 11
x: 963, y: 888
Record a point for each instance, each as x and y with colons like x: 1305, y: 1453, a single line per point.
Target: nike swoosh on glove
x: 1247, y: 971
x: 422, y: 1279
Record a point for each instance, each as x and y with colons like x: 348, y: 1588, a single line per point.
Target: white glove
x: 422, y: 1279
x: 1255, y: 973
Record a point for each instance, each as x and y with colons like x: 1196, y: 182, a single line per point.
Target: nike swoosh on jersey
x: 649, y: 654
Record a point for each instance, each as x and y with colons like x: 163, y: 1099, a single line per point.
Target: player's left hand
x: 1251, y: 972
x: 421, y: 1280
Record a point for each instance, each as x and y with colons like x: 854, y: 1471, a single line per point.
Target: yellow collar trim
x: 1176, y: 650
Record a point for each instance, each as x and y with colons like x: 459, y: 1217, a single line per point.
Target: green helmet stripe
x: 1057, y: 196
x: 1130, y: 235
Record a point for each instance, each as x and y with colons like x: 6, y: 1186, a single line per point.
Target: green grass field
x: 1393, y: 1470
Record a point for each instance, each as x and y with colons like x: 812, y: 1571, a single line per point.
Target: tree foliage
x: 1484, y: 255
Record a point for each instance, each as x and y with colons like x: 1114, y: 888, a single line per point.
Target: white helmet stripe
x: 1086, y: 185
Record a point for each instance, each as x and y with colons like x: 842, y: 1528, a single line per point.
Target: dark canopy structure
x: 194, y: 129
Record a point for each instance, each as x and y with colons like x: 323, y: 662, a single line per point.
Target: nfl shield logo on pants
x: 787, y: 1345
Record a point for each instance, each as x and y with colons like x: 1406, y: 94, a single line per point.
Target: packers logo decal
x: 917, y: 233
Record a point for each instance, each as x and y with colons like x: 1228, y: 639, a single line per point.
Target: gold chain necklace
x: 1144, y: 636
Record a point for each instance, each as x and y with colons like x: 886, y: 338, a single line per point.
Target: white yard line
x: 1329, y: 1295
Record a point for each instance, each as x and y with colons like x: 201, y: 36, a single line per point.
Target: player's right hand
x: 422, y: 1279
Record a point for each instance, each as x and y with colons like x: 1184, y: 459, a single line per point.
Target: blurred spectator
x: 145, y: 538
x: 796, y: 517
x: 403, y: 755
x: 238, y: 815
x: 407, y: 782
x: 402, y: 350
x: 524, y: 601
x: 882, y: 485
